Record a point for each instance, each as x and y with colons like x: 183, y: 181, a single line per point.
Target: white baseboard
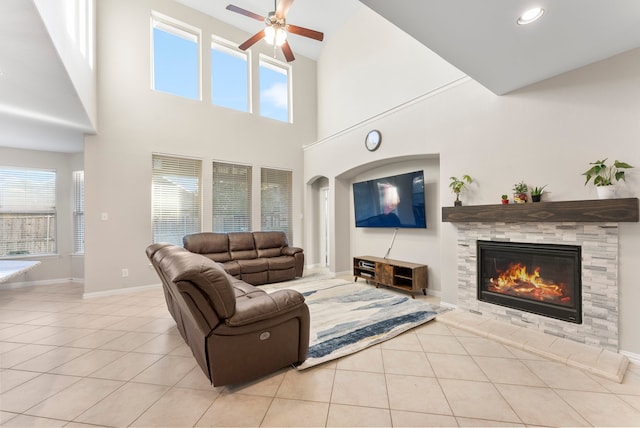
x: 22, y: 284
x: 634, y: 358
x: 118, y: 291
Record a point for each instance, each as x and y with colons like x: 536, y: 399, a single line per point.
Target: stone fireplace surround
x: 599, y: 243
x: 591, y: 224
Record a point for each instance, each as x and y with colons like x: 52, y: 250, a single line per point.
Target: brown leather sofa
x: 237, y: 332
x: 255, y: 257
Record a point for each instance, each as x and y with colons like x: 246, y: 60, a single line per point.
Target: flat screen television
x: 395, y: 201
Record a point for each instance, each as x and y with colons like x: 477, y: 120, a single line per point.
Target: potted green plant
x: 505, y: 199
x: 520, y: 192
x: 536, y: 193
x: 605, y: 176
x: 457, y: 185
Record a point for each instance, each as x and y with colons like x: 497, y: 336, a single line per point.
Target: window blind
x: 231, y: 197
x: 276, y: 201
x: 176, y: 198
x: 78, y: 212
x: 27, y: 211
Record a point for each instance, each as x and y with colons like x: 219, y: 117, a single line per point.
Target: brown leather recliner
x: 237, y: 332
x: 255, y: 257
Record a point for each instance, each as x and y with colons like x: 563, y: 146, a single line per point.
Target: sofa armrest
x: 265, y: 306
x: 290, y: 251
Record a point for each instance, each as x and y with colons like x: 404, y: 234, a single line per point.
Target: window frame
x: 232, y: 49
x: 52, y: 212
x: 158, y: 157
x: 279, y: 67
x: 78, y: 212
x: 179, y: 29
x: 263, y: 223
x: 250, y: 195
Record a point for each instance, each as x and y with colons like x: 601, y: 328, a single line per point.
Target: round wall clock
x: 373, y: 140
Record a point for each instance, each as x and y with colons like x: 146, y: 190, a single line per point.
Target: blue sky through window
x: 229, y: 79
x: 274, y: 92
x: 175, y: 64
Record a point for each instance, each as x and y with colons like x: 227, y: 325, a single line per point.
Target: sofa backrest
x: 212, y: 245
x: 241, y: 246
x: 209, y: 283
x: 270, y: 244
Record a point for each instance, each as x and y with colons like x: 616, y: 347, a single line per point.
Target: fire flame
x: 516, y: 281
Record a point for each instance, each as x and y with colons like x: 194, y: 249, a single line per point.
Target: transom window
x: 229, y: 76
x: 176, y: 57
x: 28, y: 220
x: 275, y: 98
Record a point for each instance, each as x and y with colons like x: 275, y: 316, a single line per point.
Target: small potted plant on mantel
x: 604, y: 176
x: 536, y: 193
x: 457, y: 186
x: 520, y: 193
x: 505, y: 199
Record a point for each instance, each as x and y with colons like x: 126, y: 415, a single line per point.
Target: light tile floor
x: 119, y: 361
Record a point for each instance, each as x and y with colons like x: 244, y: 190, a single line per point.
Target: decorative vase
x: 606, y: 192
x: 457, y: 203
x: 535, y: 198
x: 520, y: 198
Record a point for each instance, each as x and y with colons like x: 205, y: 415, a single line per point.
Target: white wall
x: 79, y: 68
x: 136, y: 122
x: 63, y: 265
x: 544, y: 134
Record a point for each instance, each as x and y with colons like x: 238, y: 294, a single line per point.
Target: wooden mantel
x: 598, y: 210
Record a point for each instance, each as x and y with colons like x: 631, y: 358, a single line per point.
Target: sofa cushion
x: 281, y: 262
x: 253, y: 265
x: 212, y: 245
x: 232, y: 267
x: 269, y: 244
x: 206, y: 275
x: 241, y: 246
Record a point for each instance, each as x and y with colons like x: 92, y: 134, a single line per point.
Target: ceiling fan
x: 276, y: 29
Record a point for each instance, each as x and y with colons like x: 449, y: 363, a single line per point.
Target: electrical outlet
x: 125, y: 273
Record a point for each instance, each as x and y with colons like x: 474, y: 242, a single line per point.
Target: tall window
x: 27, y: 211
x: 78, y: 212
x: 231, y: 197
x: 274, y: 89
x: 276, y: 196
x: 229, y: 76
x: 80, y: 26
x: 176, y: 57
x: 175, y: 199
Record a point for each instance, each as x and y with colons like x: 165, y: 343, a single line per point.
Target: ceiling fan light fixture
x: 274, y: 35
x: 270, y: 34
x: 530, y: 16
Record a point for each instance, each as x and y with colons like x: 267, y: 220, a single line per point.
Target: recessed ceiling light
x: 530, y: 16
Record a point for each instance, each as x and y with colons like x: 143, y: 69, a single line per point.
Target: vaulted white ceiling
x: 39, y: 108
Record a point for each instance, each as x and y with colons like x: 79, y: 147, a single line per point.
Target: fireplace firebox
x: 543, y: 279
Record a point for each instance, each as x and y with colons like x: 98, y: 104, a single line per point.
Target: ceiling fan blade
x: 301, y: 31
x: 245, y: 12
x: 252, y: 40
x: 288, y: 53
x: 283, y: 8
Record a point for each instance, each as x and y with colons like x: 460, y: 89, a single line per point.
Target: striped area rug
x: 347, y: 317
